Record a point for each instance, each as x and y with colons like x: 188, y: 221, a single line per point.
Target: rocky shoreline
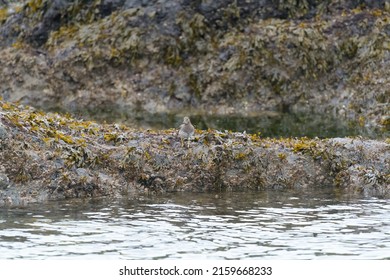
x: 212, y: 57
x: 46, y: 156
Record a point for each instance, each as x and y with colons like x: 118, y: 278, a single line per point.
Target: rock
x: 3, y: 132
x: 82, y: 172
x: 171, y: 56
x: 214, y: 56
x: 74, y: 163
x: 4, y: 181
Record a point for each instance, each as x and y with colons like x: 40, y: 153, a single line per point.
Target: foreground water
x: 268, y: 225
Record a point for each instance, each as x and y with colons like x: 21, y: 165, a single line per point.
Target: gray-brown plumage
x: 186, y: 129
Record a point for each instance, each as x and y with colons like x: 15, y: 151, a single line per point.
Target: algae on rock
x: 219, y: 56
x: 51, y: 156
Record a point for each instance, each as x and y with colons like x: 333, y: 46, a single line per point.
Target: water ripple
x: 232, y: 226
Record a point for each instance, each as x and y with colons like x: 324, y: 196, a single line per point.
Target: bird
x: 186, y: 130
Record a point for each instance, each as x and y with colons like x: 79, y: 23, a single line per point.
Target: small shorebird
x: 186, y: 130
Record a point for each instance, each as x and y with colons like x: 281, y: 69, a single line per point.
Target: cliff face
x: 329, y: 57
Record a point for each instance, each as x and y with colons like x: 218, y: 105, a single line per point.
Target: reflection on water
x: 269, y: 125
x: 267, y: 225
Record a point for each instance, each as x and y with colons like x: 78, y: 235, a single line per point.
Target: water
x: 258, y: 225
x: 268, y: 125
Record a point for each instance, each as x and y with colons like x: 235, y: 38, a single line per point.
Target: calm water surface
x: 268, y: 125
x: 269, y: 225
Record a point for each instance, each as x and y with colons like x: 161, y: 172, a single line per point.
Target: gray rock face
x: 4, y: 181
x: 3, y: 132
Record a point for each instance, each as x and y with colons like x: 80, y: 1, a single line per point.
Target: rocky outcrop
x: 214, y: 57
x: 218, y: 57
x: 47, y: 156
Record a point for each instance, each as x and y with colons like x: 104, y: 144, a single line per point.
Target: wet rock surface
x: 52, y: 156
